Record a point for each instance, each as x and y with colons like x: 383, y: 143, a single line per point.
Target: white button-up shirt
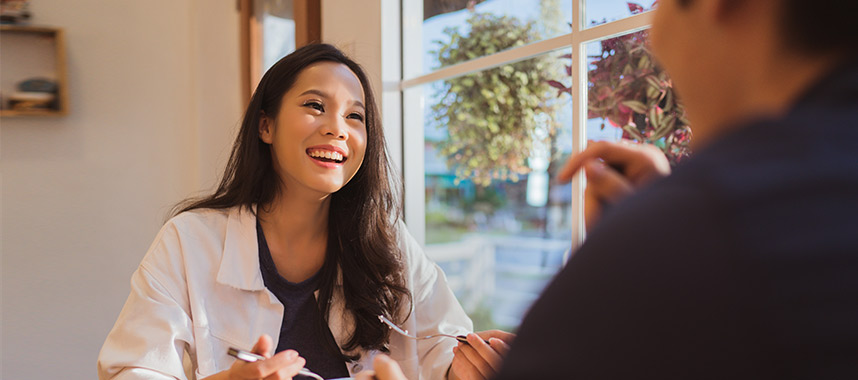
x: 199, y: 290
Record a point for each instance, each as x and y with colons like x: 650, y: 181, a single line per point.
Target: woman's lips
x: 327, y: 156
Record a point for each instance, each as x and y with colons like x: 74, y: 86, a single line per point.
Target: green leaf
x: 635, y: 105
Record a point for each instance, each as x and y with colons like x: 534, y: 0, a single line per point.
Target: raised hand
x: 613, y: 170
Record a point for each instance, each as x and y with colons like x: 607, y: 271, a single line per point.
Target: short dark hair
x: 820, y: 26
x: 817, y: 27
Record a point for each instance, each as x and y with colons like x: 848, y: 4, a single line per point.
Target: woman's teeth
x: 326, y: 154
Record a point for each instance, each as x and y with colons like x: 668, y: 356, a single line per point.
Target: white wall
x: 155, y: 102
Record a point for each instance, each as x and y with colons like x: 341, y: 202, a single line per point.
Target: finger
x: 639, y: 161
x: 387, y: 369
x: 500, y: 346
x: 507, y: 337
x: 366, y: 375
x: 576, y: 162
x: 592, y: 208
x: 474, y: 357
x: 463, y: 368
x: 267, y: 367
x: 288, y: 371
x: 606, y: 183
x: 488, y: 354
x: 594, y: 150
x: 264, y: 346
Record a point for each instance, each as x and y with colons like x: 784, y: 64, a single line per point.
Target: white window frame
x: 408, y: 125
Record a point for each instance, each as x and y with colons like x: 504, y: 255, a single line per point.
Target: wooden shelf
x: 33, y: 52
x: 14, y: 113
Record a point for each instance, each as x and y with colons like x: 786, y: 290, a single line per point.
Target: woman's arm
x: 150, y: 336
x: 436, y: 310
x: 155, y: 329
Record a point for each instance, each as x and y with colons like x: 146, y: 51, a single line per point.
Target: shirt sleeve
x: 436, y: 310
x: 154, y: 329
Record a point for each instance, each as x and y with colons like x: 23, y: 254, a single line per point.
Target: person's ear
x: 266, y: 128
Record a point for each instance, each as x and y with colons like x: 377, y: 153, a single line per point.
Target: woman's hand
x: 384, y: 368
x: 614, y: 171
x: 479, y: 360
x: 282, y: 366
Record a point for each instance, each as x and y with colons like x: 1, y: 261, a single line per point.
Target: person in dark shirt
x: 742, y: 263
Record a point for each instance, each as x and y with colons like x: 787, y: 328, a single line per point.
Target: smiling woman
x: 319, y: 137
x: 300, y: 248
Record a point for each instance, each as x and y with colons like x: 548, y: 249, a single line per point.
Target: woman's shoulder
x: 189, y: 229
x: 205, y: 221
x: 205, y: 216
x: 408, y: 245
x: 413, y: 256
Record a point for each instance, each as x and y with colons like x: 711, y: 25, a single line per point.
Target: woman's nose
x: 336, y: 128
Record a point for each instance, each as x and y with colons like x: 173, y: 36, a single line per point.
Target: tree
x: 495, y: 117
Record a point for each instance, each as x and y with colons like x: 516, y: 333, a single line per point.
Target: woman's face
x: 318, y: 139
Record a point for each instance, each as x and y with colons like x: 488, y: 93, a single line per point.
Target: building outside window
x: 496, y: 94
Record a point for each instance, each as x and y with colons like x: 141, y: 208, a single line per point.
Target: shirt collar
x: 239, y: 266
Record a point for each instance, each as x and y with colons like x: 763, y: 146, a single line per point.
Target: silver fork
x: 394, y: 327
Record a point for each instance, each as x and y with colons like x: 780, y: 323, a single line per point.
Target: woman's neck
x: 296, y: 230
x: 296, y: 218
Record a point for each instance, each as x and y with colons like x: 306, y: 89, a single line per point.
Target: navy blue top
x: 743, y: 264
x: 303, y: 328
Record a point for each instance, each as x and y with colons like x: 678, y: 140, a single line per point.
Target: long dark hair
x: 362, y: 237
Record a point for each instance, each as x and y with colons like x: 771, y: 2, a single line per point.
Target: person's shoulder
x: 410, y: 252
x: 198, y: 223
x: 182, y: 234
x: 405, y: 241
x: 201, y: 217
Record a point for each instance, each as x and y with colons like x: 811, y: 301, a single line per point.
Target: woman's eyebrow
x: 357, y: 103
x: 314, y: 92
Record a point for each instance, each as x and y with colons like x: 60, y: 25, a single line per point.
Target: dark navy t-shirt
x: 303, y: 328
x: 743, y: 264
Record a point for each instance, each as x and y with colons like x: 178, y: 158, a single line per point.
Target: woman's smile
x: 327, y: 156
x: 321, y: 120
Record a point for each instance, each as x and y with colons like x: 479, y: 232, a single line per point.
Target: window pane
x: 597, y: 12
x: 278, y: 30
x: 630, y: 97
x: 495, y: 220
x: 491, y: 26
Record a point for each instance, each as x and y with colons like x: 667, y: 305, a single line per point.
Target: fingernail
x: 594, y: 169
x: 596, y: 165
x: 291, y: 355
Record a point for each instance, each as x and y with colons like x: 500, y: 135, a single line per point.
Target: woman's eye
x: 356, y: 116
x: 315, y: 105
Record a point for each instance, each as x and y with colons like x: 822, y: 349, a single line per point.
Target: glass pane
x: 495, y: 220
x: 629, y: 97
x: 597, y: 12
x: 478, y: 28
x: 278, y: 30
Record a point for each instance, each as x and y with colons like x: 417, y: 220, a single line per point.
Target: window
x: 271, y: 29
x: 493, y: 98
